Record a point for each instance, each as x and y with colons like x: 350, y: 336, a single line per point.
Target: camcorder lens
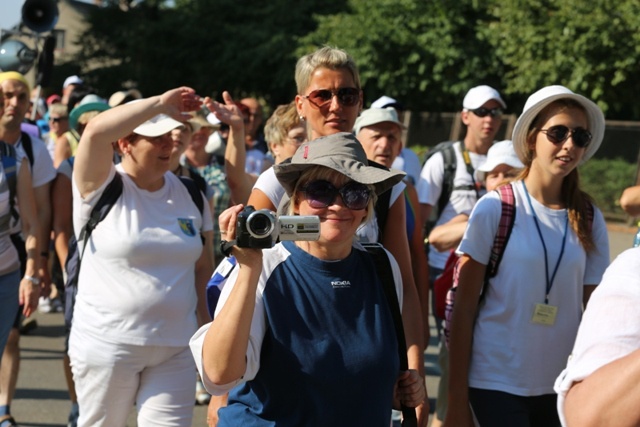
x: 260, y: 225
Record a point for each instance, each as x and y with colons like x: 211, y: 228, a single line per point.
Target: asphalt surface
x: 42, y: 400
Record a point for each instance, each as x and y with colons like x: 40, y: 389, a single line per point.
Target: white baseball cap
x: 72, y: 80
x: 500, y: 153
x: 373, y: 116
x: 479, y: 95
x: 156, y: 126
x: 386, y: 101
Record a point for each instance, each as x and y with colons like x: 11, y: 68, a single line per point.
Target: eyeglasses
x: 484, y: 112
x: 321, y: 194
x: 57, y: 119
x: 347, y: 96
x: 560, y: 133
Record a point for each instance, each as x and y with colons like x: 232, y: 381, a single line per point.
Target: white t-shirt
x: 429, y: 189
x: 268, y: 183
x: 510, y: 353
x: 42, y: 171
x: 409, y: 162
x: 137, y: 281
x: 610, y: 327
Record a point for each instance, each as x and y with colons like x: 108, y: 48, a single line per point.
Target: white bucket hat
x: 545, y: 96
x: 500, y: 153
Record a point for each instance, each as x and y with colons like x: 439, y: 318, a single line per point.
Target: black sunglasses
x: 347, y: 96
x: 57, y: 119
x: 321, y: 194
x: 484, y: 112
x: 560, y: 133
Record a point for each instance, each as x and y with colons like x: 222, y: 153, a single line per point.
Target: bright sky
x: 10, y: 13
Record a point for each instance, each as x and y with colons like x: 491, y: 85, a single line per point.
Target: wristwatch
x: 33, y: 280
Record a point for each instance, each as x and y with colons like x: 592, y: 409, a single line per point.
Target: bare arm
x: 62, y: 151
x: 448, y: 235
x: 609, y: 393
x: 61, y: 200
x: 225, y: 344
x: 464, y: 316
x: 419, y: 263
x: 425, y: 212
x: 43, y: 211
x: 95, y: 152
x: 259, y: 200
x: 395, y: 240
x: 235, y: 155
x: 204, y: 270
x: 630, y: 200
x: 28, y: 292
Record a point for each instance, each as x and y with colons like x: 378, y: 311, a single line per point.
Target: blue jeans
x: 9, y: 306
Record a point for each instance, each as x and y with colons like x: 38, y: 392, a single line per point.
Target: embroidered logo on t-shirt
x: 186, y: 225
x: 336, y: 284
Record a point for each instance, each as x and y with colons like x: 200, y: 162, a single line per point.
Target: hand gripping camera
x: 262, y: 228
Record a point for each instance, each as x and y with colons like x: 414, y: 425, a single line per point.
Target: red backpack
x: 507, y: 218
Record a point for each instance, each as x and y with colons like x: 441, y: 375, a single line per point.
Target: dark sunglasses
x: 347, y: 96
x: 57, y: 119
x: 321, y: 194
x: 484, y: 112
x: 560, y: 133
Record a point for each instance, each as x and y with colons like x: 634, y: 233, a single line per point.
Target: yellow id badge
x: 545, y: 314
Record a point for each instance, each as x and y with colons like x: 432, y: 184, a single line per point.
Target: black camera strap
x: 225, y: 247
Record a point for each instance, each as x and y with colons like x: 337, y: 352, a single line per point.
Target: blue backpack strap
x: 27, y: 145
x: 217, y: 281
x: 10, y: 166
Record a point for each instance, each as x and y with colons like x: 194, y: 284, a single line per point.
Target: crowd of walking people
x: 126, y: 212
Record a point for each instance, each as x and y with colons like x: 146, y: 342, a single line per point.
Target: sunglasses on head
x: 321, y: 194
x: 484, y: 112
x: 347, y: 96
x: 560, y: 133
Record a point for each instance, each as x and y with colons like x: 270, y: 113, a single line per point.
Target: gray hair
x: 325, y: 57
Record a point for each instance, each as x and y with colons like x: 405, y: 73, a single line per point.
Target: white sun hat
x: 545, y: 96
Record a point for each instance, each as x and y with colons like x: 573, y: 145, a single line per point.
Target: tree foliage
x: 425, y: 53
x: 590, y: 46
x: 246, y: 47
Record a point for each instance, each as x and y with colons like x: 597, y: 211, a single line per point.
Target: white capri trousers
x: 111, y: 378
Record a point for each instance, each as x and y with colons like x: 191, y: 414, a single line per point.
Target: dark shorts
x: 499, y: 409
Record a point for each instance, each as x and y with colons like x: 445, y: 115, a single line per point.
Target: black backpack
x: 447, y: 148
x: 106, y: 201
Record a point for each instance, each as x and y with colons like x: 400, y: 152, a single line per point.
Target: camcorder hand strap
x: 225, y: 247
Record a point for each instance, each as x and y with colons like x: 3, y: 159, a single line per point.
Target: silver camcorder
x: 262, y: 228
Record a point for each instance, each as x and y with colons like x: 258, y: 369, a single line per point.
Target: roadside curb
x: 621, y: 228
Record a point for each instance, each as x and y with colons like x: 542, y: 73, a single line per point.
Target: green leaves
x: 425, y: 53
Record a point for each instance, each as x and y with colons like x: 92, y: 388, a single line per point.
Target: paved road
x: 42, y: 400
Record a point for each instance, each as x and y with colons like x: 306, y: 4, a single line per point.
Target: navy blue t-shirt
x: 329, y: 356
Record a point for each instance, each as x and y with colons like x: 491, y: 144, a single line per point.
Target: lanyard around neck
x: 544, y: 247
